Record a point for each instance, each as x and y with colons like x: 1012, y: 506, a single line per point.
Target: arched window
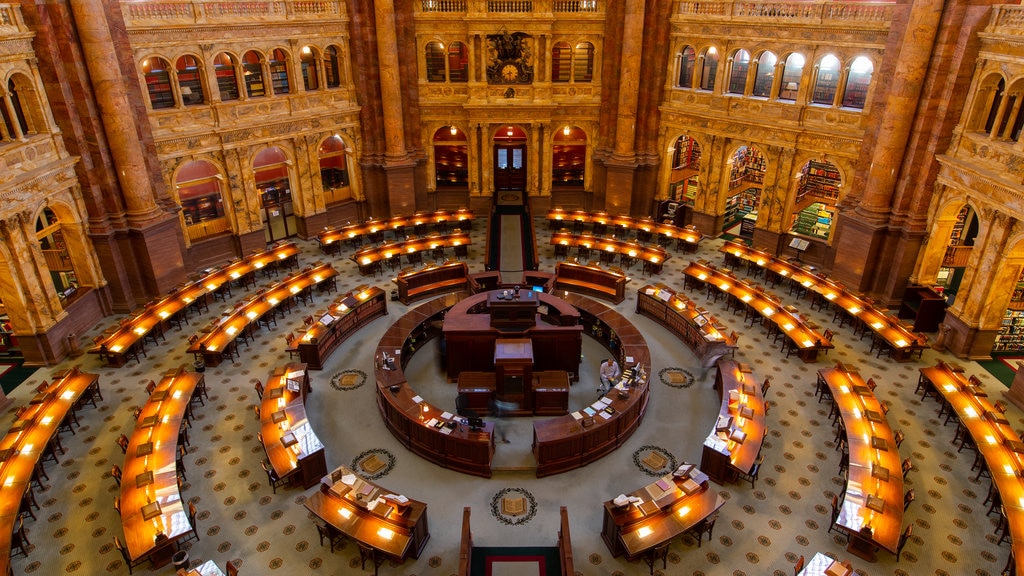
x: 451, y: 158
x: 189, y: 80
x: 9, y: 132
x: 764, y: 75
x: 279, y: 71
x: 583, y: 62
x: 791, y: 74
x: 252, y: 65
x: 435, y: 62
x: 332, y: 67
x: 58, y: 259
x: 561, y: 62
x: 826, y: 81
x: 738, y: 74
x: 569, y: 157
x: 334, y: 177
x: 687, y: 60
x: 310, y: 75
x: 198, y: 184
x: 227, y: 82
x: 272, y: 173
x: 817, y: 191
x: 997, y: 101
x: 857, y: 83
x: 17, y: 85
x: 458, y: 62
x: 158, y: 82
x: 708, y: 68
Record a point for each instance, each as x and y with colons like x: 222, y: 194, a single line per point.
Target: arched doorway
x: 569, y: 158
x: 271, y: 170
x: 510, y: 159
x: 746, y: 177
x: 451, y: 158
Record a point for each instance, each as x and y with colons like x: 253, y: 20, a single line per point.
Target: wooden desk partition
x: 346, y: 315
x: 806, y: 340
x: 997, y: 442
x: 435, y: 434
x: 460, y: 219
x: 432, y: 280
x: 874, y: 471
x: 591, y: 280
x: 698, y: 329
x: 733, y: 445
x: 24, y: 443
x: 151, y: 504
x: 577, y: 439
x: 390, y: 523
x: 903, y: 341
x: 288, y: 439
x: 225, y: 329
x: 654, y: 256
x: 623, y: 225
x: 116, y: 345
x: 369, y: 258
x: 657, y: 513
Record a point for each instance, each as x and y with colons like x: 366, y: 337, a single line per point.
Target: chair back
x: 798, y: 566
x: 231, y: 569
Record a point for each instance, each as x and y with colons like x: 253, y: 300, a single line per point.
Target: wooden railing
x: 335, y: 195
x: 11, y: 21
x: 512, y: 6
x: 206, y: 228
x: 57, y: 260
x: 956, y: 256
x: 849, y: 14
x: 163, y: 12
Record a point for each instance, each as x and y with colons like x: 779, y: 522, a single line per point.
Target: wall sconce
x: 792, y: 86
x: 566, y: 130
x: 453, y: 130
x: 509, y: 131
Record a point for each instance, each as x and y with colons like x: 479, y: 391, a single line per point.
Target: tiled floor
x: 760, y: 531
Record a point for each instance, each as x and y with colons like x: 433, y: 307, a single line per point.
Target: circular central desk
x: 559, y: 444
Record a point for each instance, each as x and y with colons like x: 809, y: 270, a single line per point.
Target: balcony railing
x: 207, y: 228
x: 1007, y: 20
x: 187, y: 12
x: 956, y: 256
x: 11, y: 21
x: 856, y: 14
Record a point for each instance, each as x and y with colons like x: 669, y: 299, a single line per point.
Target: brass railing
x: 956, y: 256
x: 858, y: 14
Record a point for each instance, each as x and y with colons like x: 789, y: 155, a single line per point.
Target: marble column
x: 98, y: 47
x: 622, y: 164
x: 398, y: 167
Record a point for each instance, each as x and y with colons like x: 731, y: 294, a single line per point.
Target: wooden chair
x: 332, y: 534
x: 907, y: 466
x: 192, y: 522
x: 150, y: 387
x: 272, y: 476
x: 179, y: 462
x: 28, y: 502
x: 659, y: 552
x: 798, y: 566
x: 115, y: 471
x: 835, y: 516
x: 903, y: 540
x: 19, y: 542
x: 707, y: 525
x: 124, y: 554
x: 907, y: 499
x: 899, y: 437
x: 230, y: 569
x: 766, y: 385
x: 754, y: 471
x: 259, y: 389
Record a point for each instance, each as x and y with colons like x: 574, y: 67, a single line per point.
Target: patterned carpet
x: 761, y: 530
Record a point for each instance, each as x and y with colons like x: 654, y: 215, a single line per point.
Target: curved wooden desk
x: 996, y: 440
x: 872, y: 509
x: 420, y: 426
x: 116, y: 345
x: 151, y: 503
x: 733, y: 446
x: 462, y: 219
x: 652, y: 255
x: 23, y: 445
x: 226, y: 329
x: 903, y: 342
x: 369, y: 259
x: 346, y: 315
x: 698, y: 329
x: 372, y: 515
x: 688, y: 237
x: 575, y: 440
x: 288, y: 439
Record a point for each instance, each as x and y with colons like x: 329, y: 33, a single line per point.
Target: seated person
x: 609, y: 373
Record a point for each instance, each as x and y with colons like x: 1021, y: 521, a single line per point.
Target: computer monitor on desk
x: 476, y: 424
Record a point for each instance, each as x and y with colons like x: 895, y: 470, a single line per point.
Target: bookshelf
x: 227, y: 85
x: 561, y: 62
x: 956, y: 236
x: 739, y: 205
x: 254, y: 80
x: 815, y: 220
x: 748, y: 166
x: 1011, y: 332
x: 687, y: 154
x: 819, y: 180
x: 158, y: 83
x: 279, y: 77
x: 191, y: 87
x: 825, y: 87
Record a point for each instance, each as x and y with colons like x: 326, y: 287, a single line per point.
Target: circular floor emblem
x: 374, y: 463
x: 348, y: 380
x: 513, y: 506
x: 676, y: 377
x: 654, y: 460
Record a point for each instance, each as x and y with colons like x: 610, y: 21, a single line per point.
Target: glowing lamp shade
x: 644, y: 532
x: 345, y: 513
x: 386, y: 533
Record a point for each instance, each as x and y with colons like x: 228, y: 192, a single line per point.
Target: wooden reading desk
x: 607, y: 249
x: 153, y: 513
x: 901, y: 340
x: 687, y: 238
x: 432, y: 280
x: 373, y: 229
x: 291, y: 445
x: 698, y: 329
x: 23, y: 445
x: 433, y: 433
x: 996, y: 440
x: 872, y: 510
x: 390, y: 523
x: 371, y: 258
x: 805, y: 339
x: 346, y: 315
x: 733, y: 446
x: 591, y: 279
x: 823, y: 565
x: 116, y: 345
x: 225, y: 329
x: 664, y: 509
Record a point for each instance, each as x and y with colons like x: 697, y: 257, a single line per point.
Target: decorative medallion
x: 654, y: 460
x: 347, y: 380
x: 513, y: 506
x: 373, y: 463
x: 676, y: 377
